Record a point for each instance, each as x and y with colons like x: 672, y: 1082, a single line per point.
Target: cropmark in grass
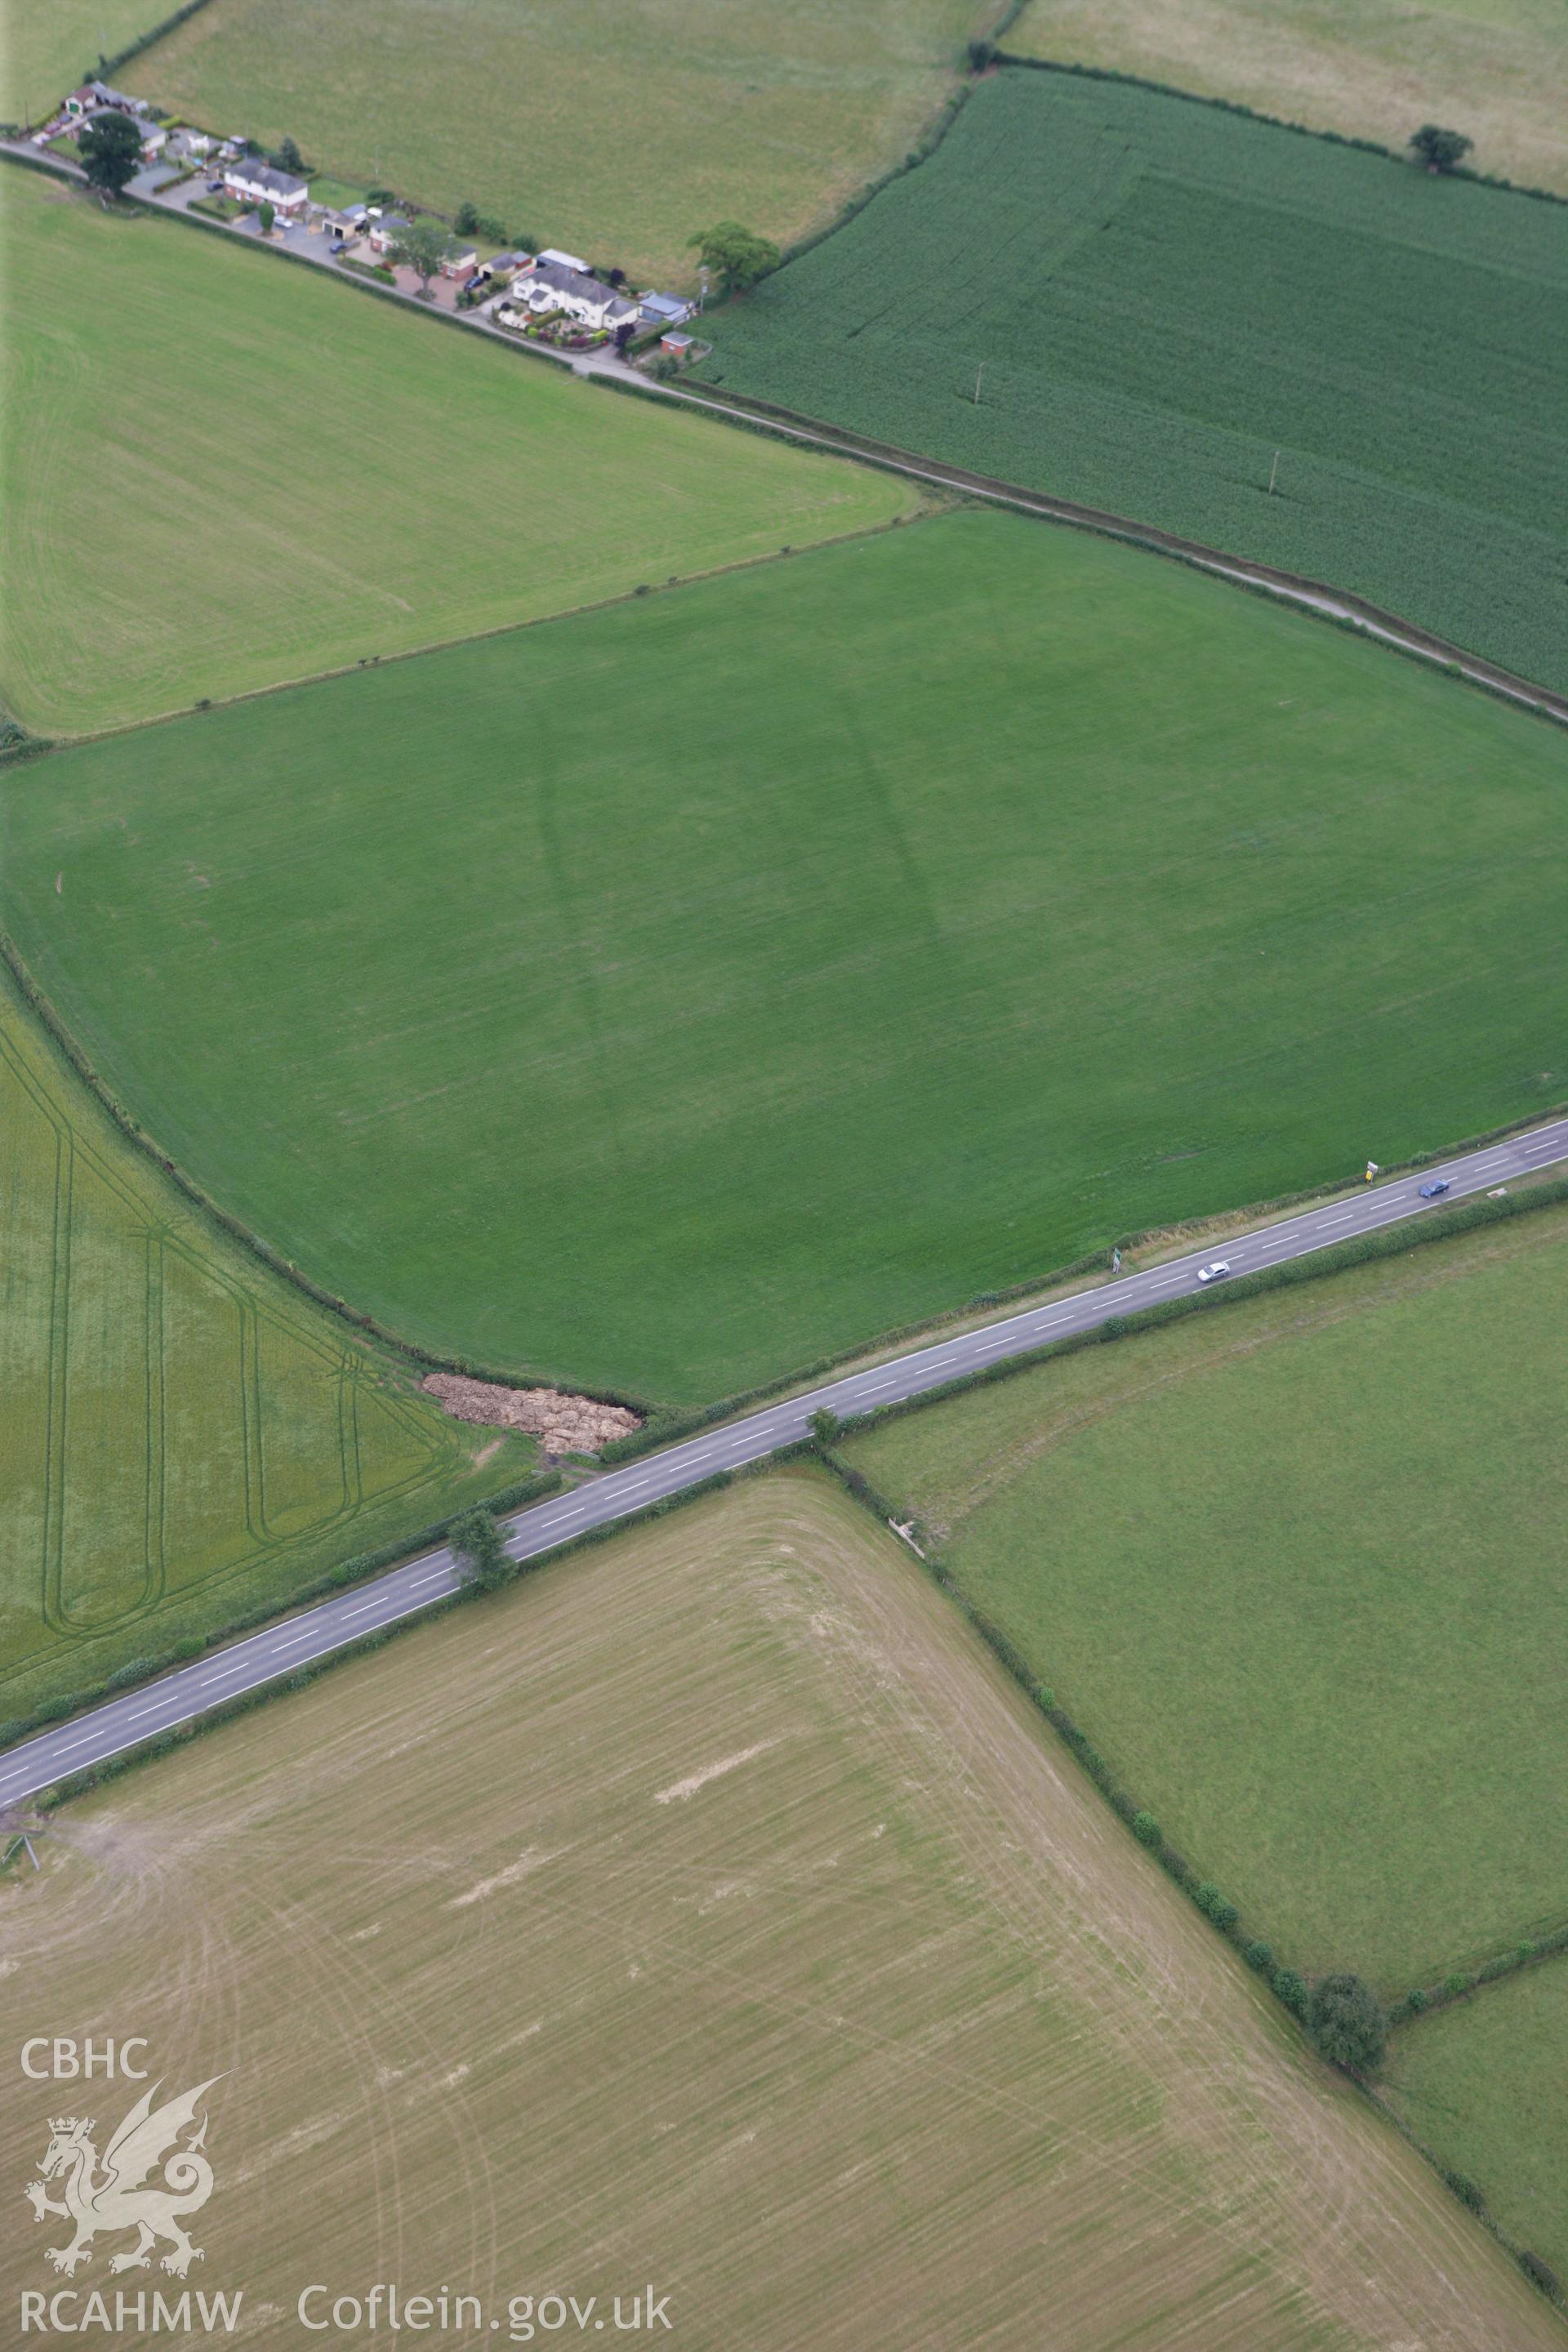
x: 667, y: 997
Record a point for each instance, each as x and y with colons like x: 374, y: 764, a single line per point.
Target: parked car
x: 1436, y: 1190
x: 1215, y: 1270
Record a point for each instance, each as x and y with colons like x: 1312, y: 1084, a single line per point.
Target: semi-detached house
x: 258, y: 183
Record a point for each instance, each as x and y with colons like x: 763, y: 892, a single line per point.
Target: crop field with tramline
x: 736, y: 1930
x: 1157, y: 307
x: 1294, y: 1567
x: 400, y: 483
x: 1497, y: 68
x: 947, y: 903
x: 182, y: 1434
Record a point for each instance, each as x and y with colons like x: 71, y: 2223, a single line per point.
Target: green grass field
x: 184, y: 1436
x: 251, y: 474
x: 615, y: 128
x: 735, y: 1927
x: 44, y: 50
x: 1481, y: 2084
x: 1495, y: 68
x: 665, y: 996
x: 1162, y: 295
x: 1295, y: 1566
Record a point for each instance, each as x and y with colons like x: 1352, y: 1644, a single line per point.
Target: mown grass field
x: 1481, y: 2084
x: 615, y: 128
x: 182, y: 1434
x: 728, y: 1924
x: 1497, y: 69
x: 1295, y: 1566
x: 1162, y: 295
x: 248, y: 473
x: 46, y: 50
x: 904, y: 920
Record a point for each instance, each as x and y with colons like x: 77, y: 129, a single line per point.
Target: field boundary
x: 1011, y: 58
x: 1316, y: 598
x: 1461, y: 1984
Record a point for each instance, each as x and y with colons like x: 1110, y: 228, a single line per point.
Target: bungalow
x: 258, y: 183
x: 460, y: 262
x: 93, y: 95
x: 547, y: 286
x: 502, y: 267
x: 665, y: 311
x: 387, y: 230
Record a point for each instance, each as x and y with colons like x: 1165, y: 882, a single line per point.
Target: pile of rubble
x: 566, y: 1424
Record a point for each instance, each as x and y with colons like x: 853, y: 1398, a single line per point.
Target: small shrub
x: 1414, y: 2002
x: 1458, y: 1983
x: 53, y: 1710
x: 1290, y: 1988
x: 1044, y: 1696
x: 824, y: 1425
x: 1527, y: 1951
x: 190, y: 1645
x: 1259, y: 1956
x: 1213, y: 1905
x: 135, y: 1670
x: 1465, y: 2190
x: 1346, y: 2020
x: 1146, y: 1829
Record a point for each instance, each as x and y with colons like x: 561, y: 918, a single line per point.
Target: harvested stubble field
x: 1497, y: 69
x: 615, y: 128
x: 728, y: 1923
x: 47, y: 46
x: 1481, y: 2084
x: 929, y: 910
x: 240, y: 472
x: 1162, y: 296
x: 183, y: 1436
x: 1295, y: 1568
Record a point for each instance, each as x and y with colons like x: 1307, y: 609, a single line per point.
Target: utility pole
x: 1273, y: 469
x: 702, y: 297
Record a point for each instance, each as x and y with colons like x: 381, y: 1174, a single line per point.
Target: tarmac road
x: 279, y: 1649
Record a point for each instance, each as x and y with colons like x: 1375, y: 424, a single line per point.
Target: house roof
x: 276, y: 183
x: 666, y: 306
x: 560, y: 260
x: 570, y: 281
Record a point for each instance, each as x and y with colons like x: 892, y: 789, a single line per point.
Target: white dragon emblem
x: 116, y: 2198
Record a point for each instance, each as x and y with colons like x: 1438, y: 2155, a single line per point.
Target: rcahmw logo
x: 152, y: 2176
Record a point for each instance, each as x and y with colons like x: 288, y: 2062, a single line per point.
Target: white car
x: 1215, y: 1270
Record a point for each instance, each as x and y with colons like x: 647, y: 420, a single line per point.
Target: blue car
x: 1436, y: 1190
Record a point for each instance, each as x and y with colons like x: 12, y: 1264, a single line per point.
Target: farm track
x: 282, y: 1648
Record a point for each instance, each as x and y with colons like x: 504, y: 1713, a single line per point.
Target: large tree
x: 423, y: 248
x: 737, y: 256
x: 1345, y: 2018
x: 110, y: 152
x: 1439, y: 149
x: 478, y: 1549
